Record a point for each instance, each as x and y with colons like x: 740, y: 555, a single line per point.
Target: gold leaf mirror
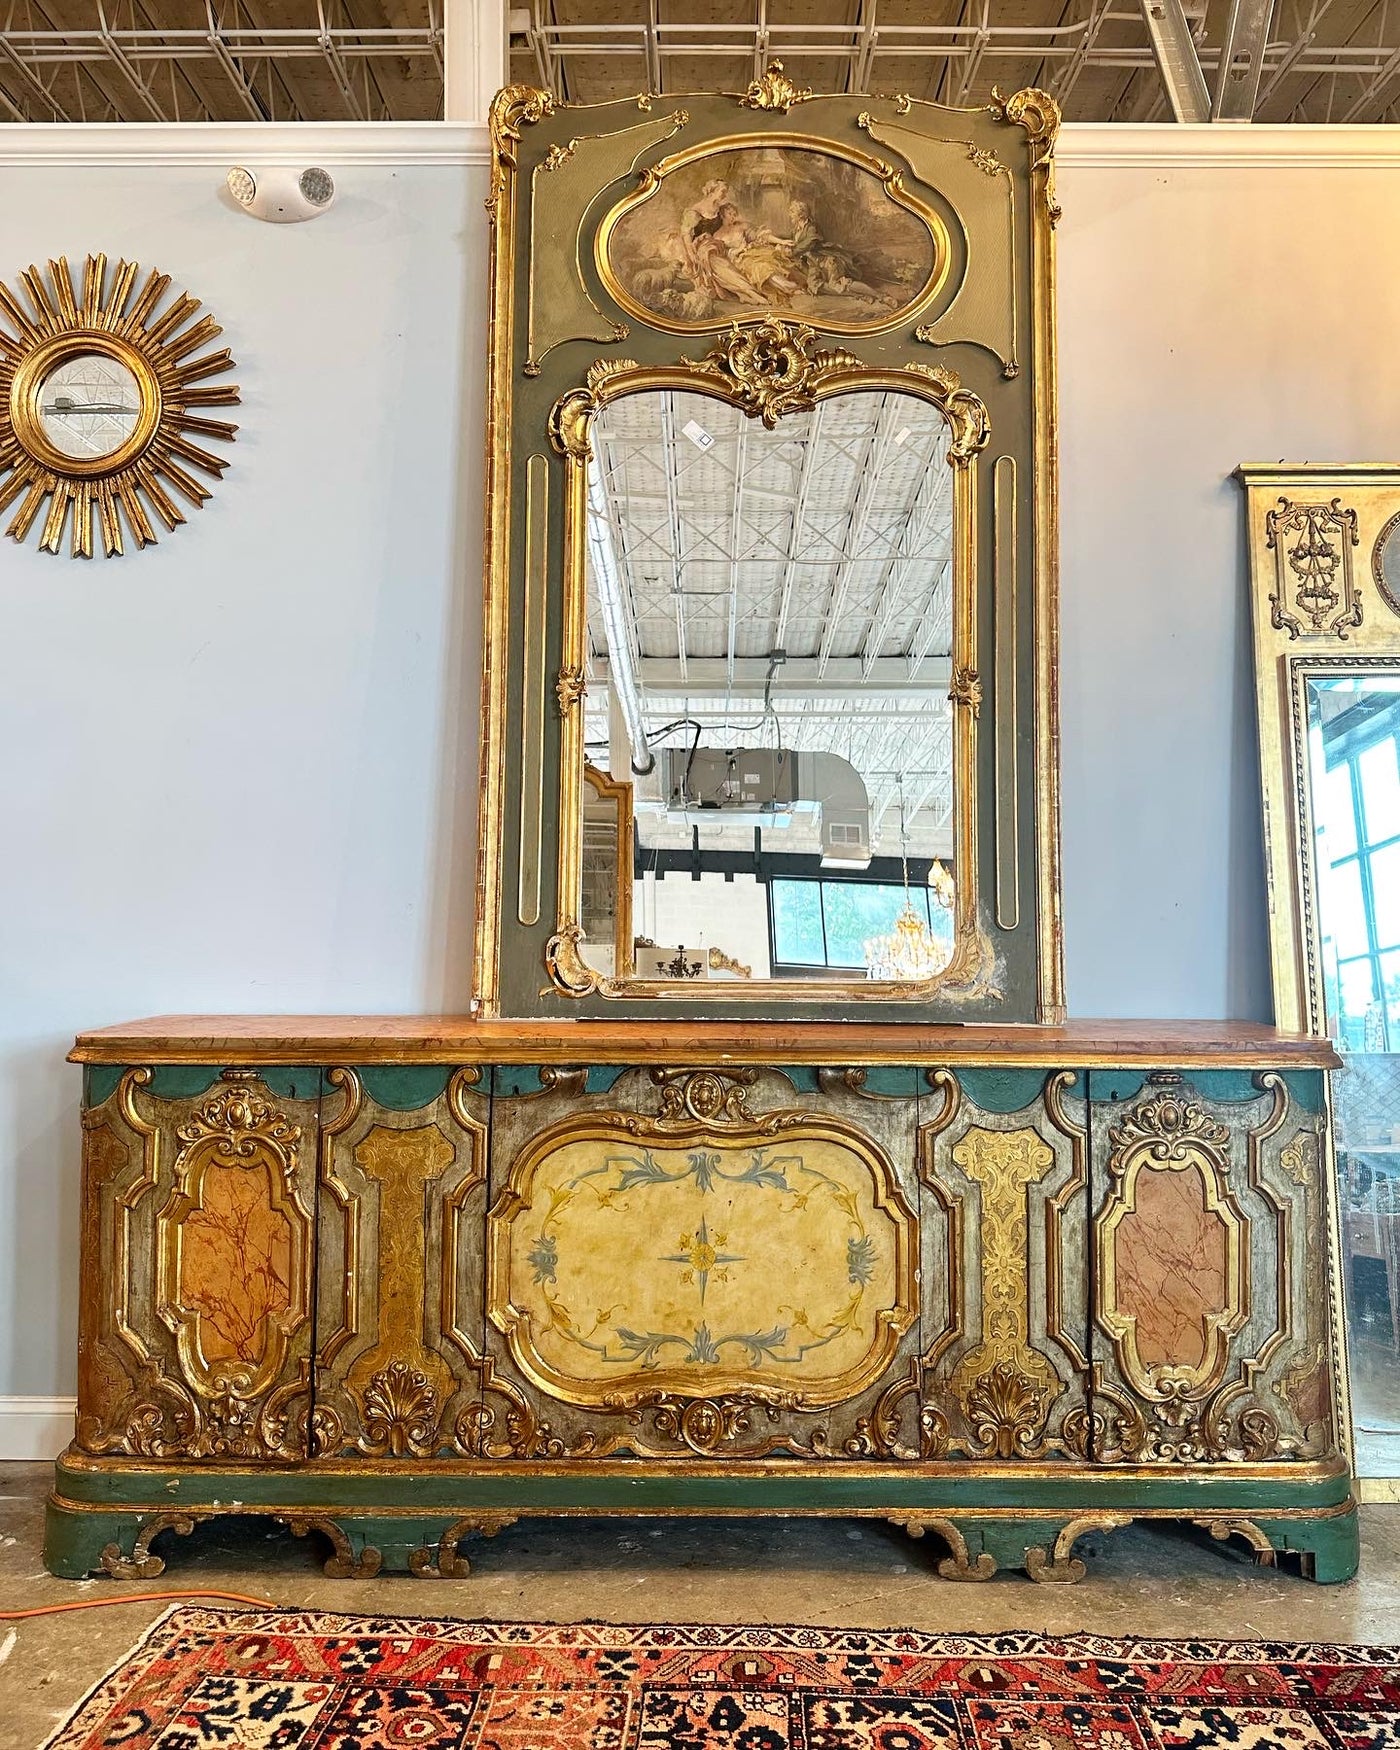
x: 1325, y: 566
x: 770, y: 571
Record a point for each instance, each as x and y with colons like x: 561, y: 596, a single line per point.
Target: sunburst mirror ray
x: 101, y: 399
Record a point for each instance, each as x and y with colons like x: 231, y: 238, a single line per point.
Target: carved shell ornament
x: 103, y: 391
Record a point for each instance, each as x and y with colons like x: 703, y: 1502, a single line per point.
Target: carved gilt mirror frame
x: 967, y: 330
x: 1325, y: 593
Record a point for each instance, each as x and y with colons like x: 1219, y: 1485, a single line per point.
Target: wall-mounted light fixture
x: 282, y: 195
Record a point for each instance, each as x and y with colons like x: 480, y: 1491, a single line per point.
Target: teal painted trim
x: 1236, y: 1087
x: 510, y: 1080
x: 406, y: 1087
x: 450, y: 1487
x: 183, y: 1081
x: 1005, y: 1090
x: 100, y: 1082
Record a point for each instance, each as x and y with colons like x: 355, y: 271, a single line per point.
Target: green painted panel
x: 455, y: 1487
x: 182, y: 1081
x: 404, y: 1087
x: 1007, y: 1090
x: 100, y: 1082
x: 1230, y: 1086
x: 522, y: 1078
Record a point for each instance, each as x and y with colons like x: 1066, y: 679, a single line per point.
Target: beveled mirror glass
x: 1327, y: 645
x: 771, y: 557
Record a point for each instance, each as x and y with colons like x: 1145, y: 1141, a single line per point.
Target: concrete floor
x: 1164, y: 1581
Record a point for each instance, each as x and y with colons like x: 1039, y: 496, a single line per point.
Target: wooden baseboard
x: 35, y: 1427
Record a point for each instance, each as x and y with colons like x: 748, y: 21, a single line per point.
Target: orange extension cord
x: 131, y: 1598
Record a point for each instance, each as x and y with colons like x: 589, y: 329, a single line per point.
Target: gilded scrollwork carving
x: 708, y: 1096
x: 141, y: 1564
x: 958, y: 1563
x: 965, y: 688
x: 569, y: 688
x: 444, y: 1560
x: 773, y: 367
x: 1061, y: 1565
x: 1316, y: 593
x: 774, y: 91
x: 1003, y: 1385
x: 1032, y: 109
x: 706, y: 1426
x: 342, y: 1563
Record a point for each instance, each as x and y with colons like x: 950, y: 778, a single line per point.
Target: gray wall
x: 238, y: 770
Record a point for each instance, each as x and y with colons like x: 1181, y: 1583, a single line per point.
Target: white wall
x: 237, y: 771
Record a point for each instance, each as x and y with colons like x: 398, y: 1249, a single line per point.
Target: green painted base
x: 105, y: 1516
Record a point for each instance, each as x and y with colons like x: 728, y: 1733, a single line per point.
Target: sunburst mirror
x: 102, y: 395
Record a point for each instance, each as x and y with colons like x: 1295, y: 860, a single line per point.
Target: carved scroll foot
x: 1258, y: 1540
x: 343, y: 1563
x: 1062, y: 1566
x: 141, y: 1564
x: 447, y: 1563
x: 957, y: 1564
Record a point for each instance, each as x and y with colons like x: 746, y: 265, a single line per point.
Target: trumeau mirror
x: 1325, y: 562
x: 770, y: 560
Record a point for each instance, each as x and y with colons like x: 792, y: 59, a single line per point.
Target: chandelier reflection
x: 909, y: 952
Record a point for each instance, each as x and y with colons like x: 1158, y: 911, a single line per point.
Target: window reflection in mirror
x: 769, y: 636
x: 1354, y: 754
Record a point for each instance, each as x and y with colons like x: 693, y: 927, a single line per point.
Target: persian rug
x: 213, y: 1679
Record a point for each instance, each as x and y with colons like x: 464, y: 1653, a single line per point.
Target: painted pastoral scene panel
x: 764, y: 229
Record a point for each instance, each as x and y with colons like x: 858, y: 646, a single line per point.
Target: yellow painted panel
x: 705, y: 1265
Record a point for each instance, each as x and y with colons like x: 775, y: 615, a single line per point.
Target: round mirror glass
x: 770, y: 624
x: 89, y: 406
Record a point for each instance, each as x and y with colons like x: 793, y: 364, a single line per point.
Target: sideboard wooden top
x: 455, y: 1039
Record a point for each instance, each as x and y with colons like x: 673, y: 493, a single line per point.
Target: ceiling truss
x: 373, y: 60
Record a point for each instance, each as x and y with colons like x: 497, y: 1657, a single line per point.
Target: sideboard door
x: 703, y: 1264
x: 401, y: 1205
x: 197, y: 1254
x: 1003, y: 1161
x: 1210, y: 1339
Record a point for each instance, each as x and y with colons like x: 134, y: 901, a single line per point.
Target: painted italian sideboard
x: 400, y: 1283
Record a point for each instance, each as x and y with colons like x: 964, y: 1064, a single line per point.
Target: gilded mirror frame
x: 1322, y: 610
x: 975, y: 340
x: 1296, y: 639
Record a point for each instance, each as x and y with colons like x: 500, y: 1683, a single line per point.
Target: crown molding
x: 1081, y: 145
x: 1226, y: 145
x: 260, y: 144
